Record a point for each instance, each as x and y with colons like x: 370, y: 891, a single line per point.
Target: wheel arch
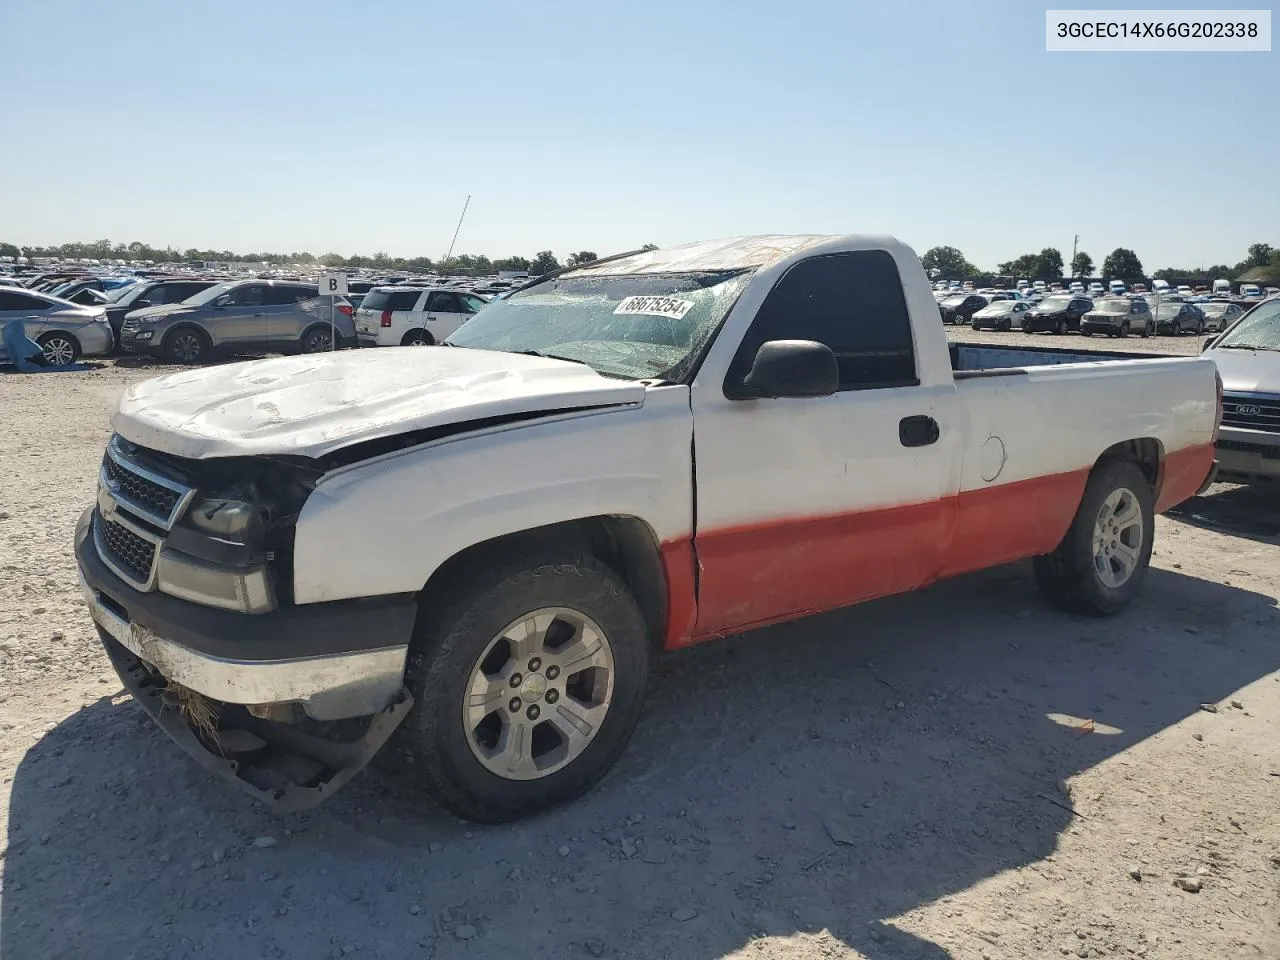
x: 1146, y: 452
x: 627, y: 545
x: 427, y: 335
x: 191, y: 325
x: 76, y: 346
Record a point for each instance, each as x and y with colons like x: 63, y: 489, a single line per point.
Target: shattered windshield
x: 1259, y: 330
x: 634, y: 326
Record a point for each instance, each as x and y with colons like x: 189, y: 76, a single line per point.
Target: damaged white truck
x: 469, y: 553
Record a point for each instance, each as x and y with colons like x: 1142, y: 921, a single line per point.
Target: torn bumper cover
x: 303, y: 696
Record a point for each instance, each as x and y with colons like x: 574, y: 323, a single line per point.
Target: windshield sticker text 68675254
x: 655, y: 307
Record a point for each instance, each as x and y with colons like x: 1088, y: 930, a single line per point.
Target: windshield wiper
x: 1244, y: 346
x: 548, y: 356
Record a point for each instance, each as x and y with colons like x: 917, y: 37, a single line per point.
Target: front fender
x: 386, y: 525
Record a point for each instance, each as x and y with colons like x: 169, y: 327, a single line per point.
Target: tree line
x: 1121, y: 263
x: 948, y: 262
x: 468, y: 264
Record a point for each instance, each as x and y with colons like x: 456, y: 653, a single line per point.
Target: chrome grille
x: 137, y: 506
x: 130, y: 553
x: 1250, y: 412
x: 140, y: 491
x: 158, y: 499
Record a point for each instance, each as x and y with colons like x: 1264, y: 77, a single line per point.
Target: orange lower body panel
x: 750, y: 576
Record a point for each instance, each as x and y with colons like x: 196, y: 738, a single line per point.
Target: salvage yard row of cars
x: 1117, y: 315
x: 184, y: 319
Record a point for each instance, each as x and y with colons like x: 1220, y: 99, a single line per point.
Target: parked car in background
x: 252, y: 316
x: 1096, y: 289
x: 156, y: 292
x: 65, y: 331
x: 1175, y: 317
x: 1117, y: 288
x: 1248, y: 359
x: 961, y: 307
x: 1001, y: 315
x: 399, y: 317
x: 1056, y: 314
x: 1118, y: 317
x: 1250, y: 290
x: 1218, y: 315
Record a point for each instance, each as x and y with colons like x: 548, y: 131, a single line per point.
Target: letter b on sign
x: 333, y: 285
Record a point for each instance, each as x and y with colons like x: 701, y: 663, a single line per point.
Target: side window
x: 177, y: 292
x: 247, y: 296
x: 161, y: 293
x: 470, y: 304
x: 441, y: 302
x: 853, y: 303
x: 280, y: 296
x: 21, y: 301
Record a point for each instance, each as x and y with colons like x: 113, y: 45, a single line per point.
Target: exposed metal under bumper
x: 285, y: 767
x: 329, y: 687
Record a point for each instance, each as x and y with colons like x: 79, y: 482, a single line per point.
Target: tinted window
x: 390, y: 300
x: 177, y: 292
x: 471, y: 304
x: 853, y: 303
x: 281, y: 296
x: 20, y: 301
x: 247, y: 296
x: 439, y: 302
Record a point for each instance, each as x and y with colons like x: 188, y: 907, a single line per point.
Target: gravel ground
x: 963, y: 772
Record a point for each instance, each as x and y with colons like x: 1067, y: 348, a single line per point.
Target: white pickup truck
x: 478, y: 547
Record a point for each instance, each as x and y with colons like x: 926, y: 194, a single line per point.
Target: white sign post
x: 333, y: 285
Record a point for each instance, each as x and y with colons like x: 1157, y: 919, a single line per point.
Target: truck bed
x: 969, y: 360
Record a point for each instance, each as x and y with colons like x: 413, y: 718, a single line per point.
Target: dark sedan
x: 1175, y: 317
x: 961, y: 307
x: 1056, y: 314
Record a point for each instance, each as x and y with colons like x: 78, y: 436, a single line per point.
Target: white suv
x: 400, y: 317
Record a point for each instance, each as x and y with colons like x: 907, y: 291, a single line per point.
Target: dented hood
x: 314, y: 404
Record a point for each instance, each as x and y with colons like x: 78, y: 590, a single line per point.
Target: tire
x: 418, y: 338
x: 185, y: 345
x: 1124, y: 329
x: 1061, y: 327
x: 315, y: 339
x: 59, y: 349
x: 1085, y: 333
x: 1199, y: 328
x: 1006, y: 325
x: 1073, y: 576
x: 454, y: 650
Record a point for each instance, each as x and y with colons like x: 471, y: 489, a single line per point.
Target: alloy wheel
x: 58, y: 351
x: 1117, y: 538
x: 538, y: 694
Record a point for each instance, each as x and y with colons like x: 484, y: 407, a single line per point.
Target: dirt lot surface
x: 964, y: 772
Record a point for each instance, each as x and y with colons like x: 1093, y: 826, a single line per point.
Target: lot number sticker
x: 655, y: 307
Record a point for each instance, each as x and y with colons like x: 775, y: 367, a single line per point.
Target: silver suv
x: 248, y: 316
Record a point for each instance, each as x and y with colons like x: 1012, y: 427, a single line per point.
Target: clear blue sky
x: 357, y: 127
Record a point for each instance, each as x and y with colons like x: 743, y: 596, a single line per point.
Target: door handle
x: 918, y: 431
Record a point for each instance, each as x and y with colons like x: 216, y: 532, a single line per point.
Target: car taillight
x: 346, y: 310
x: 386, y: 318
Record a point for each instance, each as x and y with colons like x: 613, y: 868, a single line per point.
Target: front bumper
x: 1104, y: 326
x: 302, y: 698
x: 336, y: 660
x: 1247, y: 456
x: 96, y: 339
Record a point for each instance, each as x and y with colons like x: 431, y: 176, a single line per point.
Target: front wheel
x: 185, y: 345
x: 1085, y: 333
x: 1060, y: 328
x: 59, y: 349
x: 529, y: 678
x: 1124, y: 329
x: 1100, y: 564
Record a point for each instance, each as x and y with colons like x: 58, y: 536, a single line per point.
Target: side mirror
x: 793, y: 368
x: 144, y: 302
x: 1208, y: 342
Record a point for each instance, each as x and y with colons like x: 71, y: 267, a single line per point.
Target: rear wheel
x: 316, y: 340
x: 529, y: 679
x: 185, y: 345
x: 1100, y: 564
x: 418, y: 338
x: 1061, y: 327
x: 59, y: 349
x: 1085, y: 333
